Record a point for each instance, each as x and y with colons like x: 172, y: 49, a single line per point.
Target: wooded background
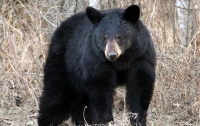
x: 26, y: 27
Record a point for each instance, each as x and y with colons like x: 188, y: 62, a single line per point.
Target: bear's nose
x: 112, y: 56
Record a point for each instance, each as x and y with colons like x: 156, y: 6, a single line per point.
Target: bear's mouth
x: 112, y: 56
x: 114, y: 59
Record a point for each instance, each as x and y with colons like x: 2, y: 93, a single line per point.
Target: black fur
x: 77, y: 73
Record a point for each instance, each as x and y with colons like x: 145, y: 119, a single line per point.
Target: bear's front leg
x: 140, y: 84
x: 100, y: 105
x: 100, y: 83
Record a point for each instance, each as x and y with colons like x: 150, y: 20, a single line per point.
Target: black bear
x: 90, y: 55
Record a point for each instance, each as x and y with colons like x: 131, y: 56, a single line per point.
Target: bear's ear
x: 132, y: 14
x: 94, y: 15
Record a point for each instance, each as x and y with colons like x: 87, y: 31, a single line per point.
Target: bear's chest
x: 122, y: 63
x: 121, y: 77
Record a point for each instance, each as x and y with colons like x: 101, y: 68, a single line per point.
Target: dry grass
x: 24, y: 38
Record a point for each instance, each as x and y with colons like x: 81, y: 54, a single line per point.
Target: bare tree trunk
x: 108, y: 4
x: 60, y: 9
x: 186, y: 23
x: 95, y: 4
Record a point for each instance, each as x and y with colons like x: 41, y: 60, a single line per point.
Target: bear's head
x: 115, y: 30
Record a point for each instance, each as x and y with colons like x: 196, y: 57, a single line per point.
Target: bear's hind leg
x: 52, y: 113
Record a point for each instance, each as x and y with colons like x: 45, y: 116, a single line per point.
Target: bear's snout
x: 112, y: 50
x: 112, y: 56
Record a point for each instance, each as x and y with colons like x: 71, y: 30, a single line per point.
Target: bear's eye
x: 119, y: 37
x: 104, y: 38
